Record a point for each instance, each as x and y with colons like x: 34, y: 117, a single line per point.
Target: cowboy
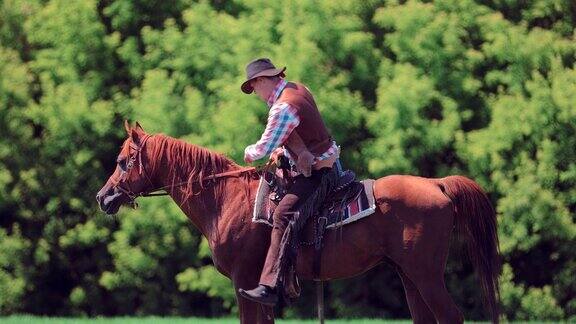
x: 294, y: 129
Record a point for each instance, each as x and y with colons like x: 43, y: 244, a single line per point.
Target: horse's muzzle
x: 109, y: 200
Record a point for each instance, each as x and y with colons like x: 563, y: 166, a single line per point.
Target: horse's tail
x: 476, y: 220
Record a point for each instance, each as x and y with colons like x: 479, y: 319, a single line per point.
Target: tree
x: 475, y: 87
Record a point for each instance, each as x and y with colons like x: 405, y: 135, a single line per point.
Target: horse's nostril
x: 103, y: 194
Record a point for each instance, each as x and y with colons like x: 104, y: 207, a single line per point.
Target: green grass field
x: 169, y: 320
x: 25, y: 319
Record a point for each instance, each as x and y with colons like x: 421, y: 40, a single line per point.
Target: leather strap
x: 227, y: 174
x: 210, y: 177
x: 319, y: 234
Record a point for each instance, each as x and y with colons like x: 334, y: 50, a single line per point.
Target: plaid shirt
x: 282, y: 119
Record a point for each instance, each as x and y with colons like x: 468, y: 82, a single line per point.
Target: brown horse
x: 411, y: 227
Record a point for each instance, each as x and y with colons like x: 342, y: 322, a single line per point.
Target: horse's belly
x: 349, y: 251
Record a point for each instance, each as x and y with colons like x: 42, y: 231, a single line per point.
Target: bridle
x: 122, y: 184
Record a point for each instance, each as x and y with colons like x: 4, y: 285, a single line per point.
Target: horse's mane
x: 191, y: 163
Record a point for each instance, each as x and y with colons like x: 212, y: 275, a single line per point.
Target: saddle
x: 346, y: 190
x: 338, y: 207
x: 348, y: 201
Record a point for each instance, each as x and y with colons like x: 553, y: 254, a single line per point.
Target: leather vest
x: 311, y: 129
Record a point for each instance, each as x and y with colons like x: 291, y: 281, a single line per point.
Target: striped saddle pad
x: 359, y: 207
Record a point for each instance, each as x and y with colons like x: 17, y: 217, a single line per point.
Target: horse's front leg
x: 252, y: 312
x: 247, y: 310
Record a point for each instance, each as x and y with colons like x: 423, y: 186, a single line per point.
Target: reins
x: 212, y: 177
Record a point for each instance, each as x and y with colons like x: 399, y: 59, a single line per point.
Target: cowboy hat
x: 257, y: 68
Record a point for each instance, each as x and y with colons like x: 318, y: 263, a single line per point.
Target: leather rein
x: 124, y: 186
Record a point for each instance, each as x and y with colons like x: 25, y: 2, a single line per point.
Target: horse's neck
x: 203, y: 206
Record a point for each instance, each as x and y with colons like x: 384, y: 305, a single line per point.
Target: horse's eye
x: 122, y: 164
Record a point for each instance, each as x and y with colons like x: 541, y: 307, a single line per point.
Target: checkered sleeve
x: 282, y: 119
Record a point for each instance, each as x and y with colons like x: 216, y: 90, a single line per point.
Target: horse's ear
x: 136, y: 133
x: 127, y: 126
x: 139, y: 127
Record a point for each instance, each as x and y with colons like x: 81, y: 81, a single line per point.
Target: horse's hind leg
x: 426, y: 272
x: 424, y: 261
x: 420, y: 312
x: 434, y: 293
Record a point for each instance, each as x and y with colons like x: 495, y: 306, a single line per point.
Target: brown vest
x: 311, y: 129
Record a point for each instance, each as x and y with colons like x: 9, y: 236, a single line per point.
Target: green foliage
x: 482, y: 88
x: 147, y: 253
x: 207, y: 280
x: 12, y: 270
x: 527, y: 304
x: 18, y: 319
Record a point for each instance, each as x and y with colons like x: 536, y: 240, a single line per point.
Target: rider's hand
x: 304, y: 163
x: 247, y: 159
x: 275, y: 156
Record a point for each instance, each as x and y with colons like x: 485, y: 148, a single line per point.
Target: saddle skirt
x: 360, y: 206
x: 349, y: 201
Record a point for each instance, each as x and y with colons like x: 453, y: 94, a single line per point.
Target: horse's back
x: 406, y: 191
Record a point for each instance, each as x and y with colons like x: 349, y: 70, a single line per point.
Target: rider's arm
x: 282, y: 119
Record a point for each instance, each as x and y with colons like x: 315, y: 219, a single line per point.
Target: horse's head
x: 129, y: 179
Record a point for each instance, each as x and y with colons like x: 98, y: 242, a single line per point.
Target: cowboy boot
x: 266, y: 292
x: 261, y: 294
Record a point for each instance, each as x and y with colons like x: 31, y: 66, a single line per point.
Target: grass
x: 28, y: 319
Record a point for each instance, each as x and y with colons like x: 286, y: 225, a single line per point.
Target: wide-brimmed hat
x: 257, y: 68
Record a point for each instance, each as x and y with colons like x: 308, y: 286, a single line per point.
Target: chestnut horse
x: 411, y: 226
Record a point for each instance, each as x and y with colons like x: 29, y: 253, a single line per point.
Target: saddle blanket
x: 361, y: 206
x: 358, y: 208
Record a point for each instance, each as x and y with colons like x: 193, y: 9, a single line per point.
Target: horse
x: 411, y: 226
